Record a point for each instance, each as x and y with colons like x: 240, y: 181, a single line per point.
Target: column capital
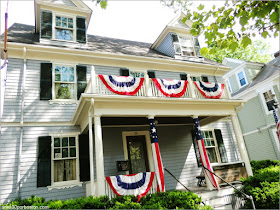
x: 194, y: 116
x: 96, y: 115
x: 151, y: 117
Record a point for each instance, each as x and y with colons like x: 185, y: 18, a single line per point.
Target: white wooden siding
x: 166, y: 46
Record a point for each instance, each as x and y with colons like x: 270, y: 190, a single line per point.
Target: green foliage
x: 166, y: 200
x: 263, y: 186
x: 217, y: 24
x: 256, y: 52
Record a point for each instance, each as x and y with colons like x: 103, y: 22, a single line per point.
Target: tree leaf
x: 103, y: 4
x: 204, y: 51
x: 246, y: 41
x: 200, y: 7
x: 264, y: 34
x: 233, y: 46
x: 243, y: 20
x: 212, y: 51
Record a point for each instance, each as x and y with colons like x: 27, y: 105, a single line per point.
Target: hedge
x: 263, y: 185
x: 167, y: 200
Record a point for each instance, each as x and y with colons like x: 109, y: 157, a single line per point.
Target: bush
x: 167, y: 200
x: 263, y: 186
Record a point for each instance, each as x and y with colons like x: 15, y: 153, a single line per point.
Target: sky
x: 132, y: 20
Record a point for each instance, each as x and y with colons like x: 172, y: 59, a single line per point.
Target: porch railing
x: 96, y: 86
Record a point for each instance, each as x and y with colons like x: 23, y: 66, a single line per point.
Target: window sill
x: 61, y: 101
x: 65, y: 185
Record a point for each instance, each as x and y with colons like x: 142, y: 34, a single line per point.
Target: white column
x: 241, y: 144
x: 93, y: 80
x: 148, y: 87
x: 227, y: 89
x: 91, y: 154
x: 191, y: 86
x: 99, y: 156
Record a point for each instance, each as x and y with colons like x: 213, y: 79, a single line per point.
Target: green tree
x: 233, y: 24
x: 256, y: 52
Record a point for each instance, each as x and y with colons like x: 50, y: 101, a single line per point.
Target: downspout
x: 21, y: 121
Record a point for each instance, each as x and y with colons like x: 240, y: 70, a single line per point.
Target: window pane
x: 57, y: 18
x: 64, y: 78
x: 58, y: 69
x: 64, y: 70
x: 57, y: 142
x: 240, y: 75
x: 177, y: 48
x: 72, y: 152
x: 65, y: 142
x: 57, y: 77
x: 72, y: 141
x: 57, y: 153
x: 175, y: 38
x: 70, y: 20
x: 210, y: 134
x: 64, y: 19
x: 64, y: 91
x: 64, y: 153
x: 71, y: 70
x: 71, y: 78
x: 211, y: 155
x: 64, y: 24
x: 70, y: 25
x: 64, y: 170
x: 58, y: 24
x: 63, y: 34
x: 242, y: 82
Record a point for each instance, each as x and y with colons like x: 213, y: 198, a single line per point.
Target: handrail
x: 180, y: 182
x: 247, y: 196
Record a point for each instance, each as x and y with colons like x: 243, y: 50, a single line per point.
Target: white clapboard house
x: 66, y: 119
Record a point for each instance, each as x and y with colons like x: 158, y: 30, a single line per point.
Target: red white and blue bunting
x: 171, y: 88
x: 210, y: 90
x: 134, y: 184
x: 122, y: 85
x: 156, y: 156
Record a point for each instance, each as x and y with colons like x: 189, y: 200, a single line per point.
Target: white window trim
x: 263, y: 99
x: 238, y: 80
x: 229, y: 85
x: 274, y: 130
x: 216, y: 145
x: 65, y: 184
x: 53, y: 84
x: 148, y: 145
x: 179, y: 42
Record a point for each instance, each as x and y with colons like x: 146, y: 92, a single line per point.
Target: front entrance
x: 138, y: 151
x: 137, y: 154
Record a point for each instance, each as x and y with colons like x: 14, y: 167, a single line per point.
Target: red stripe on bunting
x: 122, y: 93
x: 149, y: 186
x: 160, y: 168
x: 214, y: 97
x: 111, y: 185
x: 173, y: 94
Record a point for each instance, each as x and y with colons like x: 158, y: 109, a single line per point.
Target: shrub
x: 263, y: 186
x: 166, y: 200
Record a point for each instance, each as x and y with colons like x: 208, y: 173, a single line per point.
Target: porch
x: 106, y: 116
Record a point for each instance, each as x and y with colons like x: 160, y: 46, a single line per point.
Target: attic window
x: 64, y: 28
x: 183, y: 45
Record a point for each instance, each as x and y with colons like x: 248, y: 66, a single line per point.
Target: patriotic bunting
x: 203, y: 155
x: 171, y: 88
x: 277, y: 123
x: 156, y: 156
x: 210, y: 90
x: 122, y: 85
x: 133, y: 184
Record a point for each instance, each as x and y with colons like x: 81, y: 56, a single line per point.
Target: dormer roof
x: 76, y: 7
x: 176, y: 26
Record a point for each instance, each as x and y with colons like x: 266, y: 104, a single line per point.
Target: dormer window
x: 65, y: 27
x: 183, y: 45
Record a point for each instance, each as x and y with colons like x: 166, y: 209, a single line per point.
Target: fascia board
x: 181, y: 66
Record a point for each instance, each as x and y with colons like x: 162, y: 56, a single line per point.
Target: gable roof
x: 21, y: 33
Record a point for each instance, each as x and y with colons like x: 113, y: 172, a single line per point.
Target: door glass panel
x: 137, y: 154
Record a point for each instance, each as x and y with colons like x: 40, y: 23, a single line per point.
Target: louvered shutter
x: 196, y: 148
x: 46, y: 24
x: 183, y: 76
x: 204, y: 79
x: 84, y: 158
x: 151, y: 74
x: 124, y: 72
x: 81, y: 29
x: 46, y: 81
x: 196, y: 46
x: 221, y: 146
x: 44, y: 161
x: 81, y: 72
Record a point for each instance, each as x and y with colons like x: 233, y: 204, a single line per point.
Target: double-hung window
x: 183, y: 45
x: 64, y: 82
x: 242, y: 81
x: 64, y: 28
x: 65, y: 162
x: 270, y: 100
x: 210, y: 146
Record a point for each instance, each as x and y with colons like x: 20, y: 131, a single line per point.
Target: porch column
x: 241, y: 144
x: 93, y: 79
x: 91, y: 154
x: 191, y: 86
x: 99, y: 156
x: 148, y: 87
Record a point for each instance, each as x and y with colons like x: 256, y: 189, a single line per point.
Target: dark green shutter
x: 124, y: 72
x: 46, y: 24
x: 196, y: 149
x: 221, y: 146
x: 183, y: 77
x: 81, y: 29
x: 46, y: 81
x: 204, y: 79
x: 151, y: 74
x: 81, y: 80
x: 84, y: 157
x: 196, y: 46
x: 44, y: 161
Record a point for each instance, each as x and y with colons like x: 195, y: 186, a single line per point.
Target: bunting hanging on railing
x: 171, y: 88
x: 122, y: 85
x: 210, y: 90
x: 134, y: 184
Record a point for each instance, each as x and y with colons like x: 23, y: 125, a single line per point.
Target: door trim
x: 148, y: 145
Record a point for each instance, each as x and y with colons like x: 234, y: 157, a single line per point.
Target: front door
x: 137, y: 154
